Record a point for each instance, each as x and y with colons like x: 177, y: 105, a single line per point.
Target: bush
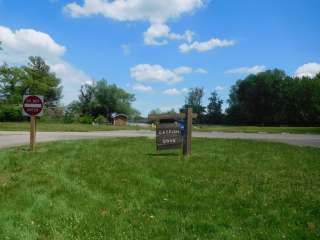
x: 10, y: 113
x: 86, y: 119
x: 55, y: 114
x: 101, y: 120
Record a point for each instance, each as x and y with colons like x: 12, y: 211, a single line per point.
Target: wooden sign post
x: 187, y: 138
x: 170, y: 135
x: 33, y: 130
x: 32, y: 107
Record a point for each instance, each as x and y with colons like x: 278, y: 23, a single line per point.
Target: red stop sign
x: 33, y: 105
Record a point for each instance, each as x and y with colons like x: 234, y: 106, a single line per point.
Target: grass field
x: 123, y: 189
x: 74, y: 127
x: 258, y: 129
x: 56, y: 127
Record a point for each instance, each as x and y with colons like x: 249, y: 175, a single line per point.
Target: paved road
x: 9, y: 139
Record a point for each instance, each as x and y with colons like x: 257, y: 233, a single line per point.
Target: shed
x: 120, y: 120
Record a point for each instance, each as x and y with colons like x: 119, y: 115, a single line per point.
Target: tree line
x: 96, y: 102
x: 267, y: 98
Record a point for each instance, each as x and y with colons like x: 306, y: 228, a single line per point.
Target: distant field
x: 55, y: 127
x: 123, y: 189
x: 253, y: 129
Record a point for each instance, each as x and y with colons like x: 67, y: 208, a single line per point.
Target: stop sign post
x: 32, y: 107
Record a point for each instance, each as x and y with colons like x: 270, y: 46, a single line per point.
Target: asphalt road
x: 11, y: 138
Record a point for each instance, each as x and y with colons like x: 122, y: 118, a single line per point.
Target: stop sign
x: 32, y: 105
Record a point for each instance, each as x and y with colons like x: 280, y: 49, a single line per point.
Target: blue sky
x: 158, y: 49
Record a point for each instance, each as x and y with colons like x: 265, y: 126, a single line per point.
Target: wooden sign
x: 32, y: 107
x: 172, y: 136
x: 168, y: 136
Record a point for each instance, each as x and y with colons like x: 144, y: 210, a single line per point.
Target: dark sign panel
x: 32, y: 105
x: 168, y: 136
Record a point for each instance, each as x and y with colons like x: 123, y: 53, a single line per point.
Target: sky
x: 159, y: 49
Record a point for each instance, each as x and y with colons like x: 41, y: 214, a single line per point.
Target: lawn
x: 62, y: 127
x: 258, y: 129
x: 78, y: 127
x: 123, y: 189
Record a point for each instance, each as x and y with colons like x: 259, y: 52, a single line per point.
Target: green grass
x: 62, y: 127
x: 77, y: 127
x: 123, y: 189
x: 258, y: 129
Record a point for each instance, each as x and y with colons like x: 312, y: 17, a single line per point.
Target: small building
x: 120, y: 120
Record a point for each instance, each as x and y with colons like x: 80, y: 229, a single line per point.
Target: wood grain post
x: 187, y: 138
x: 32, y: 133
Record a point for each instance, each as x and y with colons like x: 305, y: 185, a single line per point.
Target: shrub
x: 101, y: 119
x: 55, y: 114
x: 10, y: 113
x: 87, y: 119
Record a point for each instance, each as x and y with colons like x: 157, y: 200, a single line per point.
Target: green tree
x: 257, y: 98
x: 158, y: 111
x: 103, y: 99
x: 35, y: 78
x: 11, y: 84
x: 194, y: 100
x: 271, y: 97
x: 214, y: 109
x: 301, y: 100
x: 40, y: 81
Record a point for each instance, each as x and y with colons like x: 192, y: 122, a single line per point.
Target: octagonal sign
x: 32, y: 105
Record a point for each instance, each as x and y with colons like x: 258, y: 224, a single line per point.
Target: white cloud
x: 201, y: 71
x: 185, y: 90
x: 247, y: 70
x: 65, y: 71
x: 157, y: 12
x: 183, y: 70
x: 159, y: 34
x: 172, y: 92
x: 219, y: 88
x: 308, y: 70
x: 157, y: 73
x: 205, y: 46
x: 20, y: 44
x: 175, y: 92
x: 154, y: 73
x: 142, y: 88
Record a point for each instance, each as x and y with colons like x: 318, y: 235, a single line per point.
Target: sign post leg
x: 187, y: 138
x: 32, y: 133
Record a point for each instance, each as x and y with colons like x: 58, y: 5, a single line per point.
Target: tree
x: 273, y: 98
x: 39, y: 80
x: 158, y: 111
x: 11, y: 84
x: 103, y: 99
x: 257, y: 98
x: 35, y: 78
x: 301, y: 100
x: 194, y: 100
x: 214, y: 109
